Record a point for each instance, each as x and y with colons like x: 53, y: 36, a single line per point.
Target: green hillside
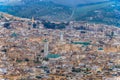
x: 105, y: 12
x: 81, y: 11
x: 39, y: 10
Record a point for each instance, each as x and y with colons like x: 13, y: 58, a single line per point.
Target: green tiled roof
x: 100, y: 48
x: 53, y: 56
x: 45, y: 40
x: 83, y: 43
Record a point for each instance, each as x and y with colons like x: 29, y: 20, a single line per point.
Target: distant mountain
x: 107, y: 13
x: 76, y: 2
x: 38, y: 9
x: 100, y: 12
x: 63, y: 2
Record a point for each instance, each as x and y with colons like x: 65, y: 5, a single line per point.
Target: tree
x: 14, y: 35
x: 34, y: 25
x: 46, y: 59
x: 26, y: 59
x: 7, y: 25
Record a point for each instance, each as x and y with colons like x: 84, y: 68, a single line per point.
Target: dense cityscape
x: 79, y: 51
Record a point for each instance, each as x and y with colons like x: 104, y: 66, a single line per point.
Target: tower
x: 33, y: 20
x: 33, y: 23
x: 46, y: 47
x: 71, y: 25
x: 61, y: 37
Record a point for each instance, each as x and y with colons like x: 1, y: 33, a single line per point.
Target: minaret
x: 87, y: 26
x: 61, y: 37
x: 71, y: 25
x: 46, y: 47
x: 95, y: 29
x: 33, y: 20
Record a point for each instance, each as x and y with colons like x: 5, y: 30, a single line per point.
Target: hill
x: 106, y: 12
x: 39, y: 10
